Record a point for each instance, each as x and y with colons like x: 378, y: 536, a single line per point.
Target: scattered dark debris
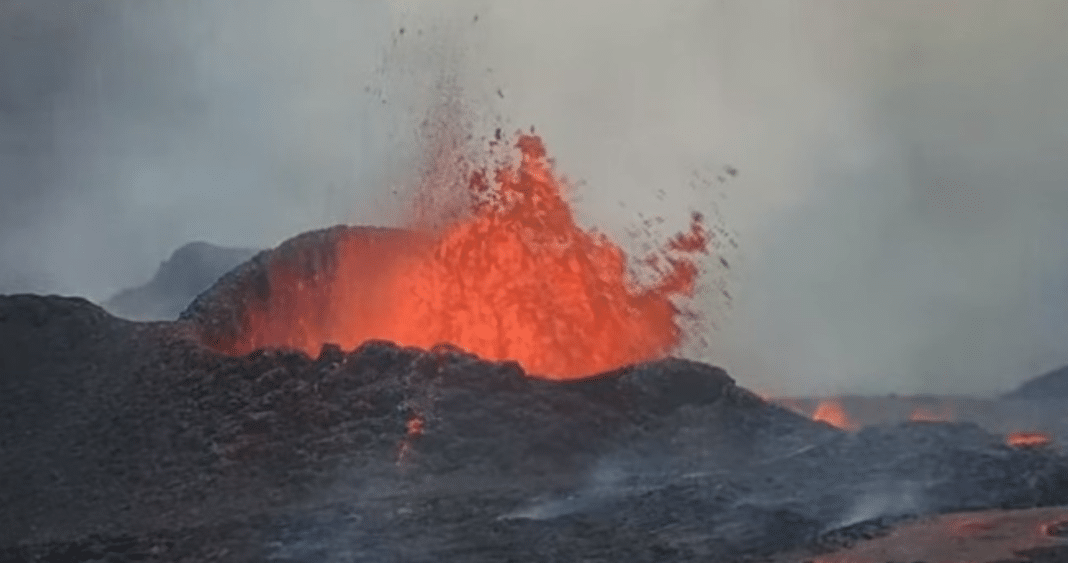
x: 162, y: 444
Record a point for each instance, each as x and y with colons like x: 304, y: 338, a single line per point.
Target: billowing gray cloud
x: 900, y: 202
x: 140, y: 126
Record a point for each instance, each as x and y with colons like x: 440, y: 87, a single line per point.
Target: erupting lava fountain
x: 514, y: 278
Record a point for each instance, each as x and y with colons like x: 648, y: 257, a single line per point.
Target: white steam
x: 240, y: 122
x: 900, y: 203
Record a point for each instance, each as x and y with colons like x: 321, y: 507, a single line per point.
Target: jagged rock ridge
x: 189, y: 271
x: 219, y: 312
x: 136, y: 440
x: 1052, y: 385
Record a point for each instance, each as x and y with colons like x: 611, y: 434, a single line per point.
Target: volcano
x: 499, y: 387
x: 192, y: 269
x: 132, y: 441
x: 514, y: 277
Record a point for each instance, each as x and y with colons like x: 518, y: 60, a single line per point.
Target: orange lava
x: 832, y: 412
x: 414, y: 427
x: 994, y: 535
x: 922, y: 414
x: 516, y: 279
x: 1027, y: 439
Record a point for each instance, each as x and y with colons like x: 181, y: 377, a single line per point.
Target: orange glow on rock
x: 993, y: 535
x: 414, y: 428
x: 922, y: 414
x: 1027, y: 439
x: 514, y: 279
x: 832, y: 412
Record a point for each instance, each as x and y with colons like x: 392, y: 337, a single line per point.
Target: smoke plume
x: 899, y: 203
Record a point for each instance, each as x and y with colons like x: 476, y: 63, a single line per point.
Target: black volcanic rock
x: 219, y: 312
x: 1052, y: 385
x: 129, y: 441
x: 192, y: 269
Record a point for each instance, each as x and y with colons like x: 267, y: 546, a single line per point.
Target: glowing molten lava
x: 921, y: 414
x: 993, y: 535
x: 516, y: 278
x: 832, y: 412
x: 1027, y: 439
x: 414, y: 426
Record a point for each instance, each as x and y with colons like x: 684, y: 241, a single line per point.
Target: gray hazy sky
x: 901, y: 204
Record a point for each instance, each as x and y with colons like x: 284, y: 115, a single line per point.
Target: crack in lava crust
x: 516, y: 279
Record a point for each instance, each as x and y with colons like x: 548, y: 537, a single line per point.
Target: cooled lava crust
x: 130, y: 441
x: 219, y: 314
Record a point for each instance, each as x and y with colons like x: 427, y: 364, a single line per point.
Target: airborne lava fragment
x: 516, y: 278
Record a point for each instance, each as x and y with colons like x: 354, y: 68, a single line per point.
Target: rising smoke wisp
x: 901, y: 195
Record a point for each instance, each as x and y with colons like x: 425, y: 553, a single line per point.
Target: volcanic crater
x: 274, y: 420
x: 136, y: 441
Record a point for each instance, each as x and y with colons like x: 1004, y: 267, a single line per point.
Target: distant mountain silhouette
x: 1051, y: 385
x: 189, y: 271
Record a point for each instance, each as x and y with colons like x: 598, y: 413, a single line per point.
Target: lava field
x: 491, y: 356
x: 132, y: 441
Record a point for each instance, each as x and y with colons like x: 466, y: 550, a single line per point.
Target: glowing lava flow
x: 515, y: 279
x: 832, y: 412
x: 993, y: 535
x: 921, y: 414
x: 1027, y: 439
x: 415, y: 426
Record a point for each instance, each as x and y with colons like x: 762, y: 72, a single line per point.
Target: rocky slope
x: 312, y: 258
x: 192, y: 269
x: 1052, y: 385
x: 127, y: 441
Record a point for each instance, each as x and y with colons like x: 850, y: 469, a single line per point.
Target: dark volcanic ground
x: 123, y: 441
